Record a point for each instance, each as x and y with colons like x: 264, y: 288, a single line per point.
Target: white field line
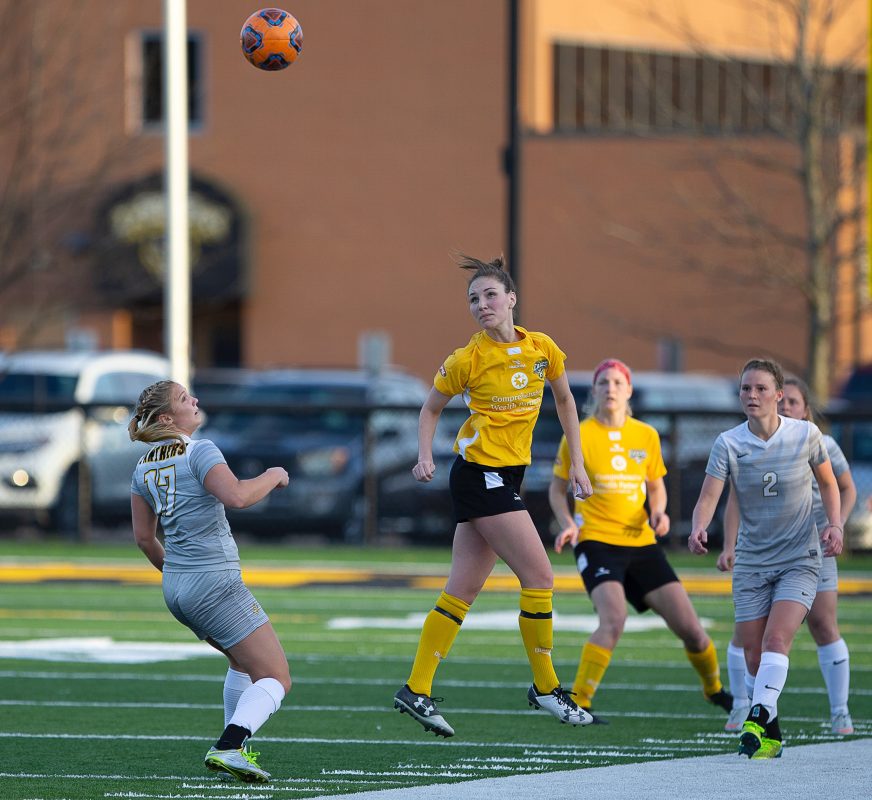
x: 625, y: 751
x: 352, y: 641
x: 359, y: 709
x: 389, y: 682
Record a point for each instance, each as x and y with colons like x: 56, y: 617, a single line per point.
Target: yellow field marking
x: 290, y: 577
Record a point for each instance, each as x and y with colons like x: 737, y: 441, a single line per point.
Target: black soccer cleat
x: 423, y: 709
x: 721, y: 698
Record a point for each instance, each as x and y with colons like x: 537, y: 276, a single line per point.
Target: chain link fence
x: 66, y: 470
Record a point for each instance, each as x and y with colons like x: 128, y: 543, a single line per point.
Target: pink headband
x: 613, y: 363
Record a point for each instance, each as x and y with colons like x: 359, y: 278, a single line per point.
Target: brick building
x: 655, y: 224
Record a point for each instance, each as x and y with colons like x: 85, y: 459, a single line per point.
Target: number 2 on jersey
x: 769, y: 481
x: 161, y: 485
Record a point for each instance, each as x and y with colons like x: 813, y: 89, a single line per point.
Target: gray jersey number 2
x: 769, y: 481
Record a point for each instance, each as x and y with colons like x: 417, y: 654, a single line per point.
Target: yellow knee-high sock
x: 440, y: 628
x: 537, y: 633
x: 706, y: 666
x: 591, y: 668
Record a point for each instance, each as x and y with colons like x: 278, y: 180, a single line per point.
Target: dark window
x: 152, y: 79
x: 25, y: 387
x: 637, y: 91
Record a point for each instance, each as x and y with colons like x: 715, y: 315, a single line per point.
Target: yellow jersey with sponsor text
x: 618, y: 462
x: 502, y: 385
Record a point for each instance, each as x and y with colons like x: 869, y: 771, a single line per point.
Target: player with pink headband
x: 614, y: 538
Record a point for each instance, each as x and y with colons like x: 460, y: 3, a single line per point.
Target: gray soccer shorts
x: 754, y: 591
x: 829, y: 577
x: 214, y: 605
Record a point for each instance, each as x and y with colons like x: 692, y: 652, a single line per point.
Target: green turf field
x: 104, y: 711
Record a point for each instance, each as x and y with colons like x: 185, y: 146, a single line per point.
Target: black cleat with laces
x: 422, y: 708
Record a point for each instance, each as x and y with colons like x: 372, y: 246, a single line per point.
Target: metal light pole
x: 512, y: 156
x: 177, y: 275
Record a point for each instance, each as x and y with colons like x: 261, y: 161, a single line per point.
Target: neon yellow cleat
x: 242, y: 764
x: 769, y: 748
x: 751, y: 739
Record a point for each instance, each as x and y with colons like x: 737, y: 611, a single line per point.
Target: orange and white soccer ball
x: 271, y: 39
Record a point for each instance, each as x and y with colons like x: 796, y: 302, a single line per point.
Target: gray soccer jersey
x: 170, y: 479
x: 840, y: 467
x: 773, y: 484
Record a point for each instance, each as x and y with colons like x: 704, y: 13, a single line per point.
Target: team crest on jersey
x: 638, y: 455
x: 540, y: 366
x: 442, y: 371
x: 519, y: 380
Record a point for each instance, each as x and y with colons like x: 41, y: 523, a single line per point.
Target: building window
x: 151, y: 57
x: 635, y: 91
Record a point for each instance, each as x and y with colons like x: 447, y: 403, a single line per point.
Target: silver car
x: 64, y: 450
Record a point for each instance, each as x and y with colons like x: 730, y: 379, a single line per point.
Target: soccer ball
x: 271, y: 39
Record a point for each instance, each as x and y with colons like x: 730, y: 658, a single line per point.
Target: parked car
x: 64, y: 415
x: 338, y: 432
x: 857, y: 389
x: 855, y: 438
x: 431, y: 502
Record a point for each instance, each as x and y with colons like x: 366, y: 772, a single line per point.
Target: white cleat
x: 241, y: 764
x: 737, y: 716
x: 559, y: 704
x: 842, y: 724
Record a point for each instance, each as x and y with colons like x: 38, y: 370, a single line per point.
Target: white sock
x: 771, y: 678
x: 836, y: 669
x: 257, y: 704
x: 736, y: 672
x: 235, y: 683
x: 750, y: 680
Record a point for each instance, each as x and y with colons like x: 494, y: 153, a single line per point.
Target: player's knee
x: 695, y: 639
x: 612, y: 628
x: 823, y: 631
x: 776, y: 642
x: 538, y: 578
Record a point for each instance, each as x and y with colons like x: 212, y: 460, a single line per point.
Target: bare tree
x: 56, y: 154
x: 811, y: 94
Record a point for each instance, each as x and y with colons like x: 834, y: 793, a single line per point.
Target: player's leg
x: 603, y: 569
x: 652, y: 583
x: 236, y: 681
x: 472, y: 560
x: 261, y: 656
x: 833, y: 658
x: 221, y: 609
x: 672, y: 602
x: 784, y: 620
x: 610, y: 604
x: 752, y: 601
x: 737, y: 672
x: 514, y: 538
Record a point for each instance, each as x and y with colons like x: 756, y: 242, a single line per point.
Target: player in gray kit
x: 769, y: 461
x: 822, y: 620
x: 185, y: 484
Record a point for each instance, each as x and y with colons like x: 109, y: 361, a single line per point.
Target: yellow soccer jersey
x: 618, y: 462
x: 502, y: 385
